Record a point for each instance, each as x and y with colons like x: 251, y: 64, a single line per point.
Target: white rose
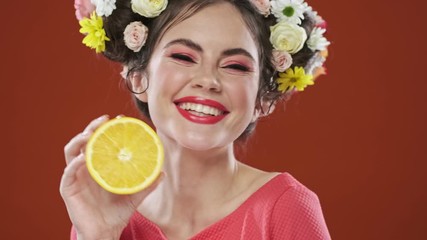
x: 149, y: 8
x: 287, y: 37
x: 282, y: 60
x: 135, y: 35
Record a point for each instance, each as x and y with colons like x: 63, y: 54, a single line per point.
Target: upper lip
x: 203, y: 101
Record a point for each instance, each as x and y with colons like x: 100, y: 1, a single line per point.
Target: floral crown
x: 287, y: 36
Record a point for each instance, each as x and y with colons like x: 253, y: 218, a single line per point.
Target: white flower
x: 287, y: 37
x: 135, y: 35
x: 310, y: 12
x: 288, y: 10
x: 149, y: 8
x: 263, y: 6
x: 104, y: 7
x: 314, y: 15
x: 316, y: 40
x: 282, y: 60
x: 314, y: 63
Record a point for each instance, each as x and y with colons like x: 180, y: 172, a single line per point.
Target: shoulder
x: 293, y: 191
x: 297, y: 212
x: 280, y: 187
x: 294, y: 199
x: 282, y: 208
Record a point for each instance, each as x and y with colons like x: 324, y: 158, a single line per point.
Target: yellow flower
x: 294, y: 79
x: 95, y: 33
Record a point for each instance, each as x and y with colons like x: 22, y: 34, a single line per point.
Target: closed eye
x: 238, y: 67
x: 182, y: 57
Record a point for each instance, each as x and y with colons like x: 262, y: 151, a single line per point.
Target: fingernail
x: 105, y: 116
x: 86, y: 133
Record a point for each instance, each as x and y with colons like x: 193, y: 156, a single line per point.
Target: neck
x: 191, y: 173
x: 195, y: 183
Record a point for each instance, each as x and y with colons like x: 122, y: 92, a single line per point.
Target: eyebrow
x: 187, y: 43
x: 237, y: 51
x: 198, y: 48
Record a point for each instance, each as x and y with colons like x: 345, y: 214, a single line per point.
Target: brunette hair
x: 179, y: 10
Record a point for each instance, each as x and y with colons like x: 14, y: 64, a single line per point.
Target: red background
x: 357, y: 138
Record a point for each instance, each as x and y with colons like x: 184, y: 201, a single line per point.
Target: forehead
x: 219, y: 25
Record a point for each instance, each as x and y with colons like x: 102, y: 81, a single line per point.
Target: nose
x: 207, y: 80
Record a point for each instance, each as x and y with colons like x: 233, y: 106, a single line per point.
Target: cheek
x: 161, y: 90
x: 167, y: 76
x: 244, y: 95
x: 249, y: 89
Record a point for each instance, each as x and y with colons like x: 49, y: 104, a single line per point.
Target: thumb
x: 137, y: 198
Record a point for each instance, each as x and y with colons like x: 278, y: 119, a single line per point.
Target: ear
x: 265, y: 108
x: 138, y: 84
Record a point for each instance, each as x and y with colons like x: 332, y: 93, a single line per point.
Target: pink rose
x: 135, y: 35
x: 83, y: 8
x: 263, y: 6
x: 282, y: 60
x: 321, y: 23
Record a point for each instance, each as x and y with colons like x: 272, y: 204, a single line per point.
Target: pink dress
x: 282, y: 209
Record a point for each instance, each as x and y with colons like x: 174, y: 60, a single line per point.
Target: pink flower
x: 135, y: 35
x: 263, y: 6
x: 83, y: 8
x: 321, y: 23
x: 282, y: 60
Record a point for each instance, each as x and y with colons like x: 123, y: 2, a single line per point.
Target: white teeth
x: 200, y: 109
x: 206, y: 110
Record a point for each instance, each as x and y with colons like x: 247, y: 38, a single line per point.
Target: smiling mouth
x: 200, y: 109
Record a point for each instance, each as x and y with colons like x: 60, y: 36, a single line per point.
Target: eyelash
x: 238, y: 67
x: 182, y: 57
x: 186, y: 58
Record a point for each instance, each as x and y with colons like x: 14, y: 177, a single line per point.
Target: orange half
x: 124, y: 155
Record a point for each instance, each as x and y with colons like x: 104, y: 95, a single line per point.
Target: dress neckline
x: 226, y: 219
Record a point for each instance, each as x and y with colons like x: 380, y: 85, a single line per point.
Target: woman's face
x: 203, y: 79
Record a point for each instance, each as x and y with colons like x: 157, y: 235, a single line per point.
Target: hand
x: 94, y: 212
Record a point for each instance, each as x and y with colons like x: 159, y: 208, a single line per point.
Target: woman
x: 204, y: 75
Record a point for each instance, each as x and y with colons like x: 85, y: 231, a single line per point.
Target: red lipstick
x: 205, y: 119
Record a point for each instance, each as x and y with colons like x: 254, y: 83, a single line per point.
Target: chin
x: 203, y: 142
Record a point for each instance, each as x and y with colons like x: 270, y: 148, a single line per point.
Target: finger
x: 95, y: 124
x: 156, y: 183
x: 76, y: 145
x: 70, y: 174
x: 140, y: 196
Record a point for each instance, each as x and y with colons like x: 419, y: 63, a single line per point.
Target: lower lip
x: 200, y: 119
